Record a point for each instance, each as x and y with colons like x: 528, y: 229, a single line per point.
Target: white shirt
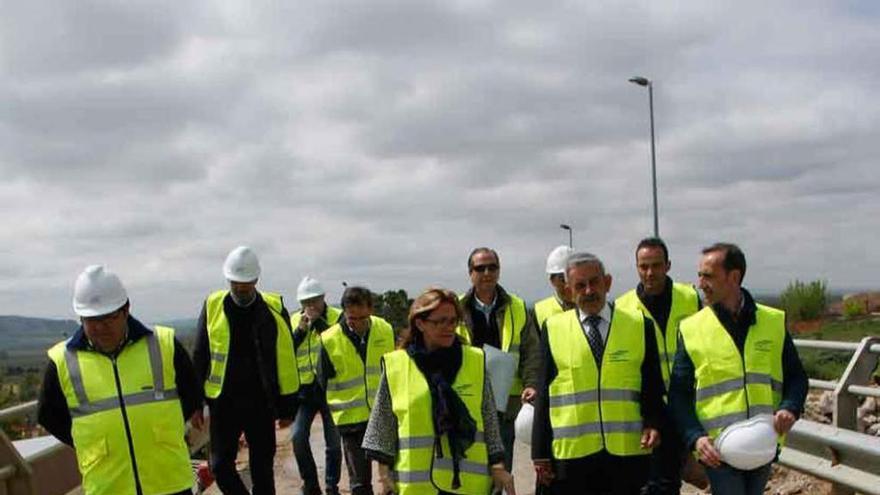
x: 604, y: 322
x: 486, y: 309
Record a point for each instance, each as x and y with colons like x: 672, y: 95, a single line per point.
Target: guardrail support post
x: 858, y: 372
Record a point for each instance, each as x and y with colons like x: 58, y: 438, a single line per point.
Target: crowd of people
x: 624, y: 392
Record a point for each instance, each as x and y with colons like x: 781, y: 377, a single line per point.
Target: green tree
x: 804, y: 301
x: 393, y: 305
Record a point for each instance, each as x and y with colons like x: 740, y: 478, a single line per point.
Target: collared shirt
x: 604, y: 322
x: 486, y: 309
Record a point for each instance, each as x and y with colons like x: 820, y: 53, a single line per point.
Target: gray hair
x: 580, y: 258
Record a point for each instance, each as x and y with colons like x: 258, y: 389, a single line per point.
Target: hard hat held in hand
x: 523, y: 425
x: 98, y: 292
x: 241, y: 265
x: 557, y: 259
x: 309, y: 288
x: 748, y: 444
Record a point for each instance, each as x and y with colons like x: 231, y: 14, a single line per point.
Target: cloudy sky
x: 378, y: 142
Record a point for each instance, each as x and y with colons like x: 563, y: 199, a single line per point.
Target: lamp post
x: 642, y: 81
x: 568, y: 228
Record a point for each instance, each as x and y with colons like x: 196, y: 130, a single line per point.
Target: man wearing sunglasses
x: 493, y: 316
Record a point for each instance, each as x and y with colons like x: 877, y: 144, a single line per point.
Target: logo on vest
x: 764, y: 345
x: 462, y: 390
x: 619, y: 356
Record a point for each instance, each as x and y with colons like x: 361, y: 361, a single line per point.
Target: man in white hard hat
x: 314, y: 316
x: 495, y: 317
x: 559, y: 301
x: 600, y: 399
x: 119, y: 393
x: 244, y: 357
x: 666, y: 303
x: 735, y: 360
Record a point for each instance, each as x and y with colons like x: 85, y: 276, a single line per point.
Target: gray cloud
x: 379, y: 143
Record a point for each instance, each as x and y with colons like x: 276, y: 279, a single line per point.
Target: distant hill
x: 24, y: 333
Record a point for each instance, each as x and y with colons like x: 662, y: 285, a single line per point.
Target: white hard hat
x: 97, y: 292
x: 523, y: 424
x: 241, y: 265
x: 308, y: 288
x: 748, y: 444
x: 557, y: 259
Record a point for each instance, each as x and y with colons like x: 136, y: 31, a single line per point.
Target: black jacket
x: 653, y: 409
x: 251, y: 367
x: 52, y: 411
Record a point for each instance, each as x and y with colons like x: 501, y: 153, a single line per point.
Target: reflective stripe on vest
x: 146, y: 379
x: 218, y: 343
x: 731, y: 386
x: 592, y: 407
x: 351, y: 392
x: 309, y: 350
x: 418, y: 469
x: 685, y: 302
x: 545, y: 308
x: 511, y: 320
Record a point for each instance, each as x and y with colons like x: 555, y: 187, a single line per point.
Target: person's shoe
x: 333, y: 491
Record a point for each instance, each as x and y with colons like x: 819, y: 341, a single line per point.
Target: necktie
x: 595, y: 338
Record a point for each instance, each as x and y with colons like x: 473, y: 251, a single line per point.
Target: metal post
x: 653, y: 158
x: 569, y: 229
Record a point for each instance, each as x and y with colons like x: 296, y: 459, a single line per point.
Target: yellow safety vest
x: 592, y: 407
x: 135, y: 391
x: 419, y: 468
x: 514, y: 319
x: 545, y: 308
x: 218, y: 342
x: 309, y: 350
x: 685, y: 302
x: 351, y: 392
x: 731, y: 387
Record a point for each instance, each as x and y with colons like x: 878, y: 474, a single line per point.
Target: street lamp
x: 642, y: 81
x: 568, y: 228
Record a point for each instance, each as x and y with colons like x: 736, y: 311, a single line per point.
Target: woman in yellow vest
x: 433, y: 428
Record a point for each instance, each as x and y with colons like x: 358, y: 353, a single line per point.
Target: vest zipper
x: 137, y: 481
x: 364, y: 361
x: 742, y: 356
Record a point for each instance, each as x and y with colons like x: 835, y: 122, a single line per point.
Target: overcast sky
x: 379, y: 142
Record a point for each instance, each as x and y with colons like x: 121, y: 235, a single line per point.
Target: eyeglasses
x: 492, y: 267
x: 438, y: 322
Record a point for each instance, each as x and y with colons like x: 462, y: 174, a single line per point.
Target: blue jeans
x: 727, y: 480
x: 312, y: 403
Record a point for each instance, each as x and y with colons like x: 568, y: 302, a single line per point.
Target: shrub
x: 853, y: 307
x: 804, y: 301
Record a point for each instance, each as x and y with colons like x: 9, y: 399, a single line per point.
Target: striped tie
x: 595, y: 338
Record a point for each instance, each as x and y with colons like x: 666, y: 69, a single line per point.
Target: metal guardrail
x: 837, y: 452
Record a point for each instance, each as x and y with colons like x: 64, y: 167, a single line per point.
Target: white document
x: 501, y: 367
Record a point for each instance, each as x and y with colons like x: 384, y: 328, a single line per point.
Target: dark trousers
x: 228, y: 420
x: 360, y: 470
x: 666, y: 463
x: 508, y: 435
x: 600, y: 474
x: 313, y: 403
x: 727, y: 480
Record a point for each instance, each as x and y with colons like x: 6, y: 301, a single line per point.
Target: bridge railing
x: 837, y: 452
